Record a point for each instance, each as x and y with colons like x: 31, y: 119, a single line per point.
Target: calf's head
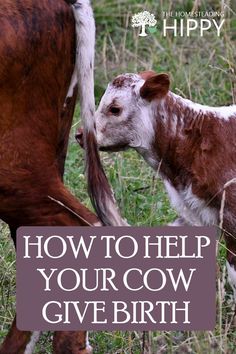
x: 125, y: 114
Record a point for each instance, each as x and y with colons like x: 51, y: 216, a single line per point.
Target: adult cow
x: 39, y: 73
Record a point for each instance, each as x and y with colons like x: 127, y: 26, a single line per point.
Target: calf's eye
x: 115, y: 110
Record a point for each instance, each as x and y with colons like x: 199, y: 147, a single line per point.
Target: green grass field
x: 202, y: 69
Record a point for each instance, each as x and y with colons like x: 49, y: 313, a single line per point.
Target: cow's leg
x: 23, y: 342
x: 71, y: 343
x: 38, y: 209
x: 19, y: 342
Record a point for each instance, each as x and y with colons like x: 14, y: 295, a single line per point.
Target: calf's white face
x: 123, y: 117
x: 118, y: 114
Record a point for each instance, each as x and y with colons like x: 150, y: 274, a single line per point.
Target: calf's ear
x: 155, y: 87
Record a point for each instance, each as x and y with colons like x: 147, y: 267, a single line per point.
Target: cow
x: 46, y: 58
x: 192, y: 146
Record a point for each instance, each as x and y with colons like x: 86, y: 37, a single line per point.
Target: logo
x: 180, y: 23
x: 143, y: 19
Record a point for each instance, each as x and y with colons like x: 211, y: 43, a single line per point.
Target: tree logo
x: 143, y: 19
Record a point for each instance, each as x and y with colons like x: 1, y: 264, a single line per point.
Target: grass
x: 202, y: 69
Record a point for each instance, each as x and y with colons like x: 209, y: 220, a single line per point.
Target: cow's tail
x: 99, y: 190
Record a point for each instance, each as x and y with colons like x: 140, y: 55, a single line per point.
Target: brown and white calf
x: 40, y: 74
x: 192, y: 146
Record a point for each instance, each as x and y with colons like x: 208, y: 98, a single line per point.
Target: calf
x: 192, y: 146
x: 40, y: 74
